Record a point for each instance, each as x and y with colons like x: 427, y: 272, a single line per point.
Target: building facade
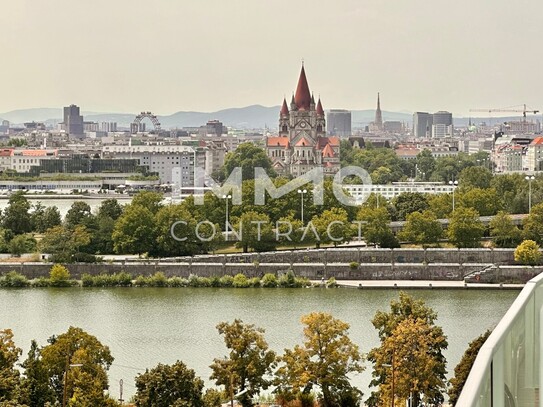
x: 302, y: 144
x: 73, y: 121
x: 338, y: 122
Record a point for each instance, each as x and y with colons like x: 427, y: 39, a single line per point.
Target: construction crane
x: 508, y: 110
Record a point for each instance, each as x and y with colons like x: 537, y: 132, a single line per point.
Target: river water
x: 145, y: 326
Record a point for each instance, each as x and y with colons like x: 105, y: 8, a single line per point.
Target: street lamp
x: 227, y: 197
x: 302, y: 192
x: 530, y: 179
x: 68, y: 366
x: 454, y: 184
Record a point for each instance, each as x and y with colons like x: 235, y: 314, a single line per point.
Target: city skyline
x: 125, y: 56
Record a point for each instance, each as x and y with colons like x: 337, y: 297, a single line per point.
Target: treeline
x: 319, y: 371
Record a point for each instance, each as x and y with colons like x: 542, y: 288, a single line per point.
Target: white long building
x: 361, y: 191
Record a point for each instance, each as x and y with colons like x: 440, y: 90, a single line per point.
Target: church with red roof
x: 302, y: 143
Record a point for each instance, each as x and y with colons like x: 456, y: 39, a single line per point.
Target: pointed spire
x: 312, y: 98
x: 302, y: 97
x: 320, y: 110
x: 284, y: 108
x: 378, y: 115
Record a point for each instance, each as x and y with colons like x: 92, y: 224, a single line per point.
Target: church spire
x: 284, y: 108
x: 378, y: 115
x: 320, y: 110
x: 302, y: 97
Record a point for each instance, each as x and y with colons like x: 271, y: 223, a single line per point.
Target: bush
x: 86, y: 258
x: 240, y: 281
x: 226, y: 281
x: 178, y: 282
x: 215, y: 281
x: 158, y: 280
x: 254, y: 282
x: 22, y: 244
x: 354, y: 265
x: 528, y: 253
x: 142, y: 281
x: 331, y: 283
x: 59, y: 276
x: 14, y: 280
x: 289, y: 280
x: 121, y: 279
x: 269, y: 281
x: 41, y: 282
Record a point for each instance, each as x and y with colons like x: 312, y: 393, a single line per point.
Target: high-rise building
x: 442, y: 124
x: 4, y: 127
x: 73, y: 121
x: 214, y: 127
x: 108, y: 126
x: 422, y: 124
x: 302, y: 144
x: 338, y: 122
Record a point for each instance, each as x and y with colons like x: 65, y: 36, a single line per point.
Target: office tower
x: 422, y: 124
x: 338, y: 122
x: 73, y: 121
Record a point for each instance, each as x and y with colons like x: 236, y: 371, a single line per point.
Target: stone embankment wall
x: 473, y: 265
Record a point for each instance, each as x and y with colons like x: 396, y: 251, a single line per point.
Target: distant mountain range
x: 250, y: 117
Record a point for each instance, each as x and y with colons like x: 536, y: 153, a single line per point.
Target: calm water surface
x: 145, y: 326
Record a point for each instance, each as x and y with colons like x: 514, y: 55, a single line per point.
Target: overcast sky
x: 205, y: 55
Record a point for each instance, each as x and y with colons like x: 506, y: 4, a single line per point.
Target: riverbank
x: 424, y: 285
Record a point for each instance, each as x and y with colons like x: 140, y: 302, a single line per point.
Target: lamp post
x: 68, y: 366
x: 227, y: 197
x: 529, y: 178
x: 454, y: 184
x: 302, y: 192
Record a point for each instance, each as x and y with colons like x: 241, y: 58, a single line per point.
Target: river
x: 145, y: 326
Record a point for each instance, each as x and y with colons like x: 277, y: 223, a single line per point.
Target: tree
x: 35, y: 390
x: 421, y: 228
x: 44, y: 218
x: 504, y: 232
x: 533, y: 224
x: 418, y: 369
x: 110, y: 208
x: 247, y: 156
x: 79, y: 214
x: 407, y: 307
x: 22, y: 244
x: 440, y: 205
x: 85, y: 382
x: 333, y: 226
x: 462, y: 369
x: 63, y: 243
x: 59, y: 276
x: 425, y: 163
x: 256, y: 232
x: 375, y: 227
x: 475, y: 177
x: 9, y: 375
x: 152, y: 201
x: 409, y: 202
x: 16, y: 215
x: 465, y: 228
x: 169, y: 385
x: 484, y: 201
x: 325, y: 359
x: 528, y: 252
x: 134, y: 231
x: 248, y: 363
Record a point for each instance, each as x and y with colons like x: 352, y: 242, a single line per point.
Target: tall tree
x: 409, y: 202
x: 44, y: 218
x: 247, y: 156
x: 152, y: 201
x: 462, y: 369
x: 256, y: 232
x: 533, y: 224
x: 110, y: 208
x: 249, y: 363
x: 169, y: 385
x: 134, y: 231
x: 333, y: 226
x: 425, y: 163
x: 475, y: 177
x: 421, y: 228
x: 465, y: 229
x: 35, y: 390
x: 325, y: 359
x: 63, y: 243
x: 503, y: 231
x: 375, y: 226
x: 16, y: 215
x: 484, y: 201
x: 9, y: 375
x: 406, y: 307
x: 80, y: 214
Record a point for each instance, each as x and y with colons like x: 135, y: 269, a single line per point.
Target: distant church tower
x: 378, y: 115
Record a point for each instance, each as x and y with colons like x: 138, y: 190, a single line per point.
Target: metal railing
x: 507, y: 370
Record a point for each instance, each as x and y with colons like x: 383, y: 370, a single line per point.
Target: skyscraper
x: 422, y: 124
x: 73, y: 121
x: 442, y: 124
x: 338, y: 122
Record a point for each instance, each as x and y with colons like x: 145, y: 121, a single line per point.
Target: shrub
x: 528, y: 253
x: 158, y: 280
x: 14, y: 280
x: 178, y: 282
x: 269, y: 281
x: 331, y: 283
x: 287, y: 280
x: 85, y: 258
x: 142, y: 281
x: 41, y: 282
x: 226, y: 281
x: 354, y: 265
x: 240, y: 281
x: 59, y: 276
x: 254, y: 282
x: 215, y: 281
x: 121, y: 279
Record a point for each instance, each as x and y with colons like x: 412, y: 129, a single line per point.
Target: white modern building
x: 361, y: 192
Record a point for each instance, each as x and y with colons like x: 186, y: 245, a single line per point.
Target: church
x: 302, y: 143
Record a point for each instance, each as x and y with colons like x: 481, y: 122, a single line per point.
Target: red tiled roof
x: 277, y: 142
x: 284, y: 108
x: 303, y: 143
x: 6, y: 152
x: 537, y: 141
x: 328, y: 151
x: 320, y: 110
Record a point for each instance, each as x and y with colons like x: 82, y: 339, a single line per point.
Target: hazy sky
x: 204, y: 55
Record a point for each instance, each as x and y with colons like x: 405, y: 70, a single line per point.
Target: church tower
x: 378, y: 115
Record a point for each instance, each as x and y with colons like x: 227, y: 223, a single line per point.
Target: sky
x: 166, y: 56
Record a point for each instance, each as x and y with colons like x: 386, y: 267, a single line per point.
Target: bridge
x: 508, y: 371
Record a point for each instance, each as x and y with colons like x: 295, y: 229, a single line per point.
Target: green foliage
x: 465, y: 229
x: 409, y: 202
x: 169, y: 385
x: 426, y: 164
x: 59, y: 276
x: 43, y: 218
x: 353, y: 265
x: 528, y: 252
x: 484, y: 201
x: 240, y: 281
x: 121, y: 279
x: 269, y: 280
x: 376, y: 227
x: 212, y: 398
x: 12, y: 279
x: 9, y: 375
x: 475, y: 177
x: 421, y: 321
x: 248, y: 364
x: 35, y: 389
x: 462, y: 369
x: 326, y: 359
x: 79, y: 214
x: 333, y: 226
x: 504, y: 232
x: 134, y: 231
x: 110, y: 208
x: 226, y: 281
x: 257, y: 232
x: 421, y: 228
x: 289, y: 280
x: 331, y: 283
x: 440, y: 205
x: 247, y: 156
x: 16, y: 216
x: 381, y: 163
x: 533, y: 224
x: 63, y: 242
x: 152, y: 201
x: 21, y: 244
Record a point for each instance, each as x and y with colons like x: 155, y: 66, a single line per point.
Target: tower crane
x: 524, y: 110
